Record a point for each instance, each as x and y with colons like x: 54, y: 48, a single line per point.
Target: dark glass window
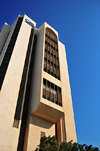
x: 52, y: 92
x: 51, y: 54
x: 42, y: 134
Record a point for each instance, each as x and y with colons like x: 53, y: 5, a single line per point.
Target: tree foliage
x: 50, y: 144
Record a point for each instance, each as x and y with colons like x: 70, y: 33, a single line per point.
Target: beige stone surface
x: 66, y: 95
x: 10, y: 90
x: 43, y: 114
x: 43, y: 111
x: 34, y: 129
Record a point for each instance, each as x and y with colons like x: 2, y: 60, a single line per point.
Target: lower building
x: 35, y: 95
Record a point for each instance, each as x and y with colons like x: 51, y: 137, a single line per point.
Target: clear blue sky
x: 78, y: 25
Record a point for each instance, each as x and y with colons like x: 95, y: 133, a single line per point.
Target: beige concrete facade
x: 42, y: 114
x: 66, y: 96
x: 10, y: 89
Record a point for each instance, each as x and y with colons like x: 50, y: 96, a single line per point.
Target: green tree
x: 48, y: 144
x: 81, y: 147
x: 95, y: 149
x: 89, y: 148
x: 75, y: 147
x: 66, y: 146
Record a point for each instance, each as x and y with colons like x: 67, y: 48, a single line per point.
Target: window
x: 51, y: 54
x: 52, y: 92
x: 42, y: 134
x: 16, y: 123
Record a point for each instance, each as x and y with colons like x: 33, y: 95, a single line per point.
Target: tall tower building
x: 35, y: 95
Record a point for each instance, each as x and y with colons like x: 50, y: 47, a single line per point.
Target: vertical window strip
x: 51, y: 59
x: 22, y: 90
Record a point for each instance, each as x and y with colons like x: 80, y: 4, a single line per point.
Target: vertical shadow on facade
x: 26, y: 101
x: 64, y: 128
x: 26, y: 138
